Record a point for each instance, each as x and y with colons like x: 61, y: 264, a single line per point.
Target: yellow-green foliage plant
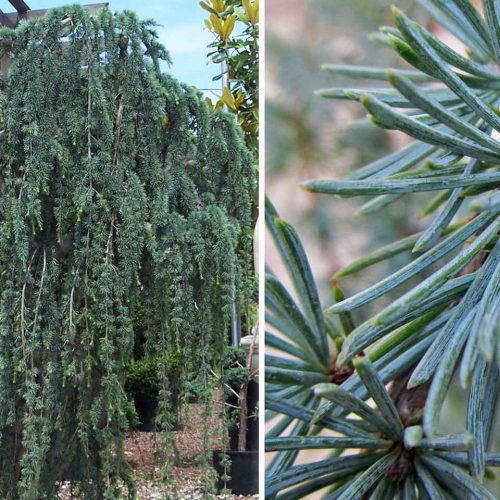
x: 118, y: 186
x: 370, y: 393
x: 235, y: 26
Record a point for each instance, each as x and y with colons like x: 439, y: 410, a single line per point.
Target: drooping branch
x: 98, y: 209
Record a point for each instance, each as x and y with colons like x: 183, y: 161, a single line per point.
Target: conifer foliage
x: 393, y: 370
x: 117, y: 182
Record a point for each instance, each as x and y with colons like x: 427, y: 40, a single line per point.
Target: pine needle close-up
x: 368, y: 390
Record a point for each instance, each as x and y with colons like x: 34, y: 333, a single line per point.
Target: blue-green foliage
x: 325, y: 364
x: 116, y: 183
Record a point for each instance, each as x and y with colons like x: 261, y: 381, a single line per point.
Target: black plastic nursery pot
x: 146, y: 411
x: 70, y: 473
x: 146, y: 407
x: 244, y: 471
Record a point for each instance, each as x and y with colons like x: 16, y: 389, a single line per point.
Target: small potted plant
x: 142, y: 387
x: 237, y: 466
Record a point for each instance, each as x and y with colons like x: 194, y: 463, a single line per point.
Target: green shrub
x: 142, y: 376
x: 234, y: 366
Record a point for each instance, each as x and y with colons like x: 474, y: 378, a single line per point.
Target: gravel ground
x: 191, y: 490
x: 141, y: 451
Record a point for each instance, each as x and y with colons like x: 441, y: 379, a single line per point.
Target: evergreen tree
x: 394, y: 369
x: 117, y: 182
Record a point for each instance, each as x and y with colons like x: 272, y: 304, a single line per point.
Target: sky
x: 182, y: 31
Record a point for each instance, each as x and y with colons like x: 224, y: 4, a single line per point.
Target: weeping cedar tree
x: 116, y: 182
x: 324, y: 366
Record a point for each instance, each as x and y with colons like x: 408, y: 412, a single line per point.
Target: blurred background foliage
x: 308, y: 136
x: 311, y: 137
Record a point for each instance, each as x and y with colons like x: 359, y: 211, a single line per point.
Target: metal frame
x: 23, y: 11
x: 12, y: 19
x: 7, y: 19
